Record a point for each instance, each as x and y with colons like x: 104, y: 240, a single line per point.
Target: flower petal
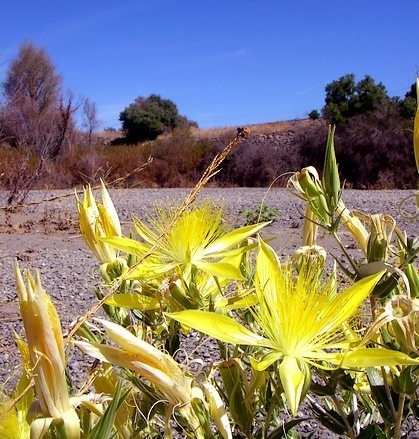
x: 266, y: 360
x: 133, y: 301
x: 233, y: 238
x: 372, y: 357
x: 221, y: 327
x: 220, y: 269
x: 292, y: 380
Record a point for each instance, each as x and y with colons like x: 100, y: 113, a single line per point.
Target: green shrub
x: 261, y: 213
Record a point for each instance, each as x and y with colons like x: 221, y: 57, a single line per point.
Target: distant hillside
x: 210, y: 133
x: 263, y: 128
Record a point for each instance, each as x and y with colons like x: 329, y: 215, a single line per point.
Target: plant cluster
x: 261, y: 213
x: 147, y: 118
x: 341, y: 336
x: 346, y: 98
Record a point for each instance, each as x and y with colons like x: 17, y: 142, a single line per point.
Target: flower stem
x: 388, y: 393
x: 349, y: 430
x: 324, y: 412
x: 342, y: 247
x: 399, y: 418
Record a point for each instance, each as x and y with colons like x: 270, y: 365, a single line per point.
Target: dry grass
x: 264, y: 128
x: 208, y: 133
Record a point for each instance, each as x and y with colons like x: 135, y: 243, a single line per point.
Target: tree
x: 338, y: 97
x: 36, y: 119
x: 345, y: 98
x: 32, y: 80
x: 368, y: 95
x: 147, y: 118
x: 91, y: 121
x: 408, y: 105
x: 35, y: 114
x: 314, y: 115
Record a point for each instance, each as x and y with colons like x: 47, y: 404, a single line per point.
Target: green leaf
x: 221, y: 327
x: 379, y: 394
x: 181, y: 299
x: 103, y: 429
x: 330, y: 419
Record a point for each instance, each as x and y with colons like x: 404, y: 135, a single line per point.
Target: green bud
x: 377, y: 242
x: 313, y: 190
x: 331, y: 181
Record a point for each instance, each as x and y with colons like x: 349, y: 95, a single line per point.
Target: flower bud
x: 310, y: 258
x: 377, y: 248
x: 97, y: 221
x: 309, y: 188
x: 331, y: 182
x: 47, y: 358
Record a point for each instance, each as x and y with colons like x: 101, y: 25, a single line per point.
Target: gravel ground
x: 45, y: 237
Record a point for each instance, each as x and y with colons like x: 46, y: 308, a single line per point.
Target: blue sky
x: 224, y: 63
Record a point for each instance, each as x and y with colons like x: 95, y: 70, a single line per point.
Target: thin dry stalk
x: 211, y: 170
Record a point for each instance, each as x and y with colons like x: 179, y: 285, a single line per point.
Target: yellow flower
x: 300, y: 320
x: 160, y: 369
x: 13, y: 424
x: 46, y: 358
x: 98, y: 220
x: 197, y: 241
x: 13, y: 408
x: 310, y: 257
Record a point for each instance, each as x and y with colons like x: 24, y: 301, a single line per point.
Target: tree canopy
x: 31, y: 79
x: 35, y: 113
x: 147, y: 118
x: 408, y: 105
x: 345, y: 97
